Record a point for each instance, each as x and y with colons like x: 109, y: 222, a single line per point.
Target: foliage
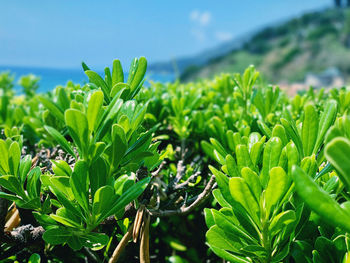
x: 93, y: 167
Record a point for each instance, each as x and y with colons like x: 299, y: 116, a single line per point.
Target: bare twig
x: 144, y: 244
x: 138, y: 223
x: 189, y: 179
x: 180, y: 168
x: 186, y: 209
x: 160, y: 168
x: 121, y: 246
x: 13, y: 221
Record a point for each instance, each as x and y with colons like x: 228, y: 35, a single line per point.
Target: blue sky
x: 62, y: 33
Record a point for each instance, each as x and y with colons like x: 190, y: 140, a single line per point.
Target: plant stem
x: 266, y: 242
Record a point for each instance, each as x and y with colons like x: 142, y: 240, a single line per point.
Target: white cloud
x: 199, y: 35
x: 194, y: 15
x: 201, y: 18
x: 223, y: 36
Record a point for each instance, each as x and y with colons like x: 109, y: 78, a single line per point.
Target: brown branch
x: 144, y: 243
x: 180, y: 170
x: 189, y: 179
x: 157, y: 172
x: 186, y: 209
x: 121, y: 246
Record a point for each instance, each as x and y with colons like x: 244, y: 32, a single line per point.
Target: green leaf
x: 218, y: 147
x: 223, y: 183
x: 61, y: 183
x: 96, y: 150
x: 57, y: 235
x: 45, y: 220
x: 293, y: 134
x: 94, y: 107
x: 61, y: 168
x: 78, y: 128
x: 271, y: 157
x: 209, y: 218
x: 99, y: 82
x: 255, y: 152
x: 33, y: 182
x: 14, y: 158
x: 131, y: 194
x: 117, y: 72
x: 326, y: 120
x: 218, y: 237
x: 228, y: 256
x: 119, y: 145
x: 80, y: 185
x: 281, y: 220
x: 61, y: 140
x: 63, y: 99
x: 94, y: 240
x: 108, y: 77
x: 85, y: 67
x: 240, y: 193
x: 103, y: 201
x: 10, y: 197
x: 253, y: 181
x: 309, y: 129
x: 52, y: 107
x: 97, y: 175
x: 230, y: 228
x: 243, y: 158
x: 319, y: 201
x: 139, y: 74
x: 292, y: 155
x: 34, y: 258
x: 120, y: 88
x: 220, y: 198
x: 231, y: 165
x: 265, y: 130
x: 108, y: 118
x: 338, y: 154
x: 123, y: 183
x: 276, y: 188
x: 32, y: 204
x: 61, y: 217
x: 75, y: 242
x: 12, y: 184
x: 280, y: 132
x: 61, y: 189
x: 4, y: 157
x: 24, y: 167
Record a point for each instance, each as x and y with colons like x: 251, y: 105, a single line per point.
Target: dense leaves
x: 107, y: 162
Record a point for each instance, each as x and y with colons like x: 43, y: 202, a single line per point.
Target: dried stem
x: 121, y: 246
x: 144, y: 244
x: 186, y: 209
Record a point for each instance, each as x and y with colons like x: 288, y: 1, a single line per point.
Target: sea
x: 50, y: 78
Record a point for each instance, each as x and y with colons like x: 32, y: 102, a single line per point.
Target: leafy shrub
x: 86, y: 169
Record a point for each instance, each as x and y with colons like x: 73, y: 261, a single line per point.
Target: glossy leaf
x: 319, y: 201
x: 60, y: 139
x: 94, y: 107
x: 338, y: 154
x: 309, y: 129
x: 78, y: 127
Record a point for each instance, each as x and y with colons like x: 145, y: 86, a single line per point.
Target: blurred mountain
x: 285, y: 52
x: 182, y: 63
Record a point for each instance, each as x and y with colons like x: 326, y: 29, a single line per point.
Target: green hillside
x: 288, y: 51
